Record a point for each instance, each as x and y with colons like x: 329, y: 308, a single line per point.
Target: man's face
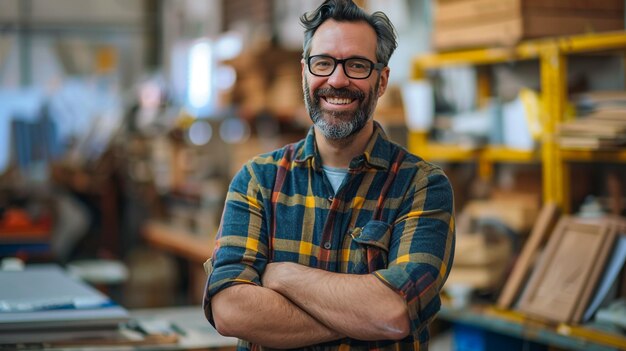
x: 341, y: 106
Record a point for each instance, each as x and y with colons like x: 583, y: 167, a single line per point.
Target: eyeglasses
x: 354, y: 67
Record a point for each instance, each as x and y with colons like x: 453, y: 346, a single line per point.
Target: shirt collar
x: 377, y: 153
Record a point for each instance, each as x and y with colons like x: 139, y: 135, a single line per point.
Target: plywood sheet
x: 569, y: 264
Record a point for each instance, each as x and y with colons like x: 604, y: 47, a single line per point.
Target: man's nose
x: 338, y: 79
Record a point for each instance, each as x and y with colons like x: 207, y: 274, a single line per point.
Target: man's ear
x: 384, y: 81
x: 302, y: 65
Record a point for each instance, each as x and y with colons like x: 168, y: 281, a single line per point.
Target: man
x: 342, y: 240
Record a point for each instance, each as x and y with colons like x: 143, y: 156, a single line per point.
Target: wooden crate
x: 477, y: 23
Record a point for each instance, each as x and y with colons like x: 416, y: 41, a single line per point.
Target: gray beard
x: 339, y: 125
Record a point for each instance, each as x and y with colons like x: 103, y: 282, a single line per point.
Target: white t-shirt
x: 335, y: 176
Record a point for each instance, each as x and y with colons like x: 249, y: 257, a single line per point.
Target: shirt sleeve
x: 422, y: 248
x: 240, y: 253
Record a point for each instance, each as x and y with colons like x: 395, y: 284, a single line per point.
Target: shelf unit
x: 517, y: 325
x: 552, y: 54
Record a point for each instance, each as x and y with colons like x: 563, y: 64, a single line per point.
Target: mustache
x: 340, y: 93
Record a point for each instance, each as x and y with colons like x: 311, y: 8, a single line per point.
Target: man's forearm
x: 359, y: 306
x: 262, y: 316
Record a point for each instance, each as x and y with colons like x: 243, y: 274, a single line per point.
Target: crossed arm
x: 299, y: 306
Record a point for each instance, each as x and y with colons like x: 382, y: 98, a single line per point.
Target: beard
x: 339, y: 125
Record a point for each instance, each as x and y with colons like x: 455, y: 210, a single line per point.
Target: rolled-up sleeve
x: 422, y: 248
x: 240, y: 253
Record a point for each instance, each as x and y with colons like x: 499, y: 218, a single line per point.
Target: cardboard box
x: 476, y: 23
x: 477, y: 250
x: 516, y: 213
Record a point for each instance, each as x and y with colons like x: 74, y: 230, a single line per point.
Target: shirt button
x: 331, y: 198
x: 327, y: 245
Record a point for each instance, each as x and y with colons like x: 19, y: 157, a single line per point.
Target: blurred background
x: 115, y: 115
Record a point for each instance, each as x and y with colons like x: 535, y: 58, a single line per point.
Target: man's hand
x: 264, y: 317
x: 359, y: 306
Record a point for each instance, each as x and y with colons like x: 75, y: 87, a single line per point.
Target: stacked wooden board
x: 478, y: 23
x: 604, y: 128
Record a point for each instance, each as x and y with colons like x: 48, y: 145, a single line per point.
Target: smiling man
x: 344, y: 239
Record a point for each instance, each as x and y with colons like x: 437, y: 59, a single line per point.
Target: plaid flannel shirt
x: 392, y: 217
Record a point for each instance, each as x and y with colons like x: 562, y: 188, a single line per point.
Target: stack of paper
x: 602, y: 125
x: 600, y: 130
x: 43, y: 303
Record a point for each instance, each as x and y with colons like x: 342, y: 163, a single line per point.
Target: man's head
x: 344, y: 66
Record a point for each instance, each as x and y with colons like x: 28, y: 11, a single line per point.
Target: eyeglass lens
x: 322, y: 65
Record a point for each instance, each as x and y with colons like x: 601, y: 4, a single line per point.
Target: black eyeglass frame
x: 373, y: 66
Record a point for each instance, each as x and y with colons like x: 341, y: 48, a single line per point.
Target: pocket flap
x: 375, y: 233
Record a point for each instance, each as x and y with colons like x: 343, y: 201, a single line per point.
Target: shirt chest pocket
x: 369, y: 247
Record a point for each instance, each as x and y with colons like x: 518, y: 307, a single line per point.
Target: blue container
x: 468, y: 338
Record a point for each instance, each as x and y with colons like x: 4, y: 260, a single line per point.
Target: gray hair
x: 348, y: 11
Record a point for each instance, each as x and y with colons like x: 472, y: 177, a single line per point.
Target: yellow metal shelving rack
x: 552, y: 54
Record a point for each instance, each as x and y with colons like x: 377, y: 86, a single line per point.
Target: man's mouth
x: 339, y: 97
x: 338, y: 101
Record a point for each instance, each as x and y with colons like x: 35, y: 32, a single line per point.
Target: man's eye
x: 358, y: 65
x: 323, y: 64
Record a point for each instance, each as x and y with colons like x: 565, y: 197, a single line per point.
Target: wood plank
x: 542, y: 26
x: 473, y: 10
x: 604, y: 5
x: 523, y: 266
x: 507, y: 33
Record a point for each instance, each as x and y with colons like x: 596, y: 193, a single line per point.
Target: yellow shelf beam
x: 505, y: 154
x: 527, y: 50
x: 617, y: 156
x: 592, y: 42
x: 593, y: 335
x: 499, y: 154
x: 419, y: 145
x: 533, y: 327
x: 553, y: 85
x: 449, y: 153
x: 478, y: 56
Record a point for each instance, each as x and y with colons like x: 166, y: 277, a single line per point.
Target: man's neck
x: 339, y: 153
